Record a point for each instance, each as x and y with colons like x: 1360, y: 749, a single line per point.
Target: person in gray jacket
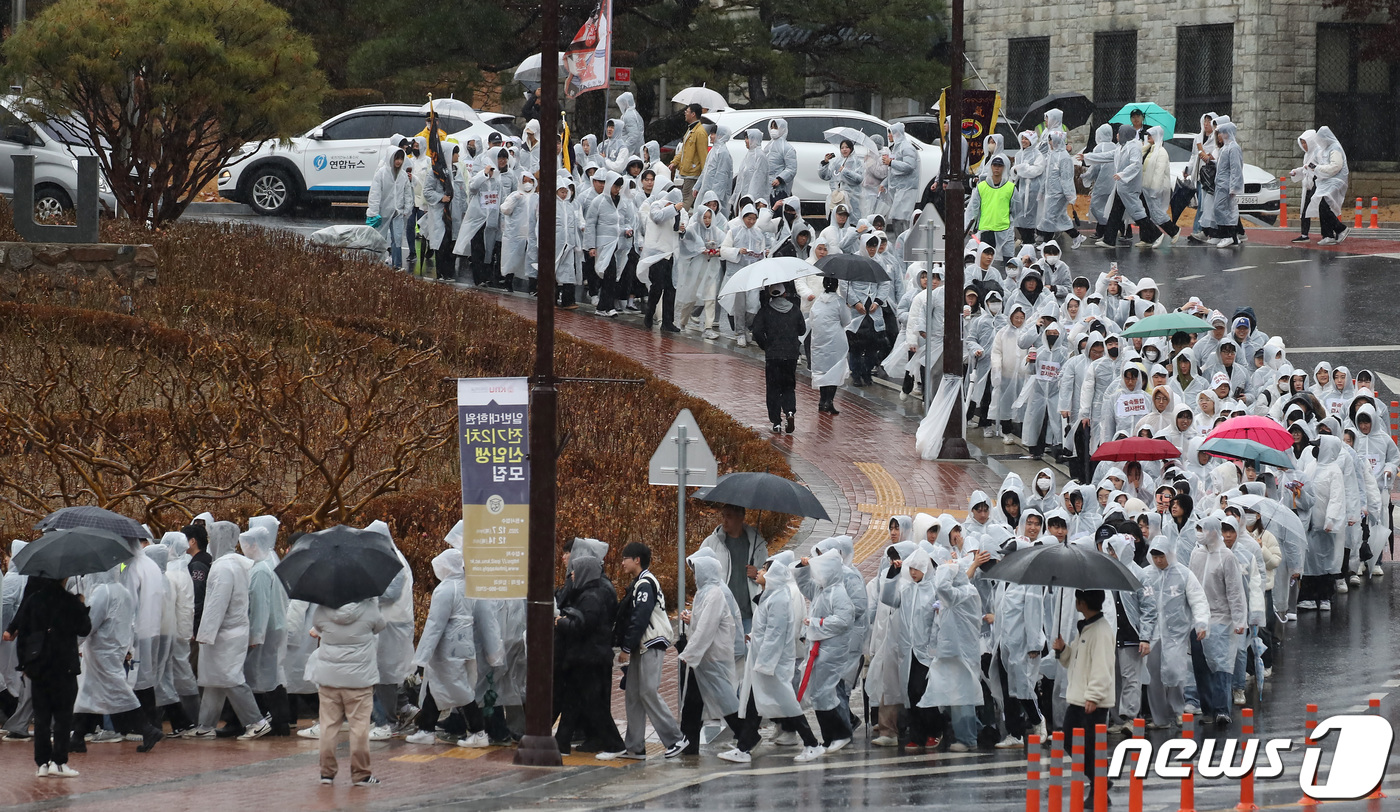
x: 741, y: 551
x: 347, y: 669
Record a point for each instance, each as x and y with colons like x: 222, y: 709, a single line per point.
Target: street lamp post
x: 538, y: 747
x: 954, y: 446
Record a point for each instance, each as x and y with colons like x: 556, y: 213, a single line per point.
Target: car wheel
x: 51, y: 203
x: 270, y: 191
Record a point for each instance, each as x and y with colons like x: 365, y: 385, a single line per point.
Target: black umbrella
x: 764, y: 492
x: 1077, y: 108
x: 77, y: 551
x: 94, y: 517
x: 339, y: 565
x: 852, y: 268
x: 1073, y: 566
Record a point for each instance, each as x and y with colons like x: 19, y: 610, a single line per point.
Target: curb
x: 218, y: 208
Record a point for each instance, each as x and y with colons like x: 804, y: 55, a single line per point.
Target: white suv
x: 805, y: 128
x: 334, y: 162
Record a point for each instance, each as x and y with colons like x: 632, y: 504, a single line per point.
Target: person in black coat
x: 777, y: 330
x: 583, y: 634
x: 46, y: 629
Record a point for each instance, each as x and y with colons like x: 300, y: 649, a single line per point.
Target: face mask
x: 1112, y: 352
x: 994, y: 308
x: 1150, y: 354
x: 1051, y: 338
x: 773, y: 133
x: 471, y: 148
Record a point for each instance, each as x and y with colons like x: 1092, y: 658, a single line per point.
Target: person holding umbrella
x: 346, y: 670
x: 741, y: 551
x: 45, y: 632
x: 778, y: 329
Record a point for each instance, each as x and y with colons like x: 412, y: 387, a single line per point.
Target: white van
x: 56, y: 146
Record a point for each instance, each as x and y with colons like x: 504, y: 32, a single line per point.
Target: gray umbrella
x: 65, y: 553
x: 339, y: 565
x: 1072, y: 566
x: 760, y: 491
x: 94, y: 517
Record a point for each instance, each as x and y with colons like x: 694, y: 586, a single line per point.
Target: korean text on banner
x: 588, y: 59
x: 981, y: 110
x: 493, y: 430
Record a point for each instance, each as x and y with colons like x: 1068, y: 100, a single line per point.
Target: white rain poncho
x: 1327, y: 520
x: 485, y: 190
x: 830, y: 348
x: 159, y: 555
x: 740, y: 646
x: 782, y: 159
x: 267, y: 614
x: 954, y: 672
x: 519, y: 222
x: 300, y: 646
x: 1057, y: 190
x: 889, y: 661
x: 11, y: 593
x: 903, y: 180
x: 718, y: 175
x: 770, y: 668
x: 1019, y: 630
x: 223, y: 634
x: 179, y: 676
x: 395, y: 647
x: 1181, y: 611
x: 1127, y: 167
x: 1028, y: 174
x: 1157, y: 181
x: 830, y: 625
x: 1219, y: 573
x: 742, y: 247
x: 1098, y: 173
x: 606, y: 223
x: 709, y: 650
x: 447, y: 647
x: 751, y: 178
x: 1229, y: 178
x: 843, y: 175
x: 568, y: 239
x: 911, y: 622
x: 146, y: 583
x: 390, y: 195
x: 634, y: 132
x: 700, y: 267
x: 1331, y: 174
x: 102, y: 685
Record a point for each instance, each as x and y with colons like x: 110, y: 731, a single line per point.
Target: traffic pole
x: 1188, y: 786
x: 1358, y: 213
x: 1135, y: 783
x: 1033, y: 775
x: 1076, y: 771
x: 1100, y: 768
x: 1309, y: 723
x: 1246, y: 803
x: 1395, y: 420
x: 1375, y: 707
x: 1055, y: 793
x: 1375, y: 212
x: 1282, y: 206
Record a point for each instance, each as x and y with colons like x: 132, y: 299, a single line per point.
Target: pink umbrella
x: 1264, y: 430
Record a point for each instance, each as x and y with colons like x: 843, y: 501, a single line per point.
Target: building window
x: 1027, y: 74
x: 1115, y: 73
x: 1355, y: 95
x: 1204, y: 73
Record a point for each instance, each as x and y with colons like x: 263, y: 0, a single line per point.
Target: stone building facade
x: 1277, y: 67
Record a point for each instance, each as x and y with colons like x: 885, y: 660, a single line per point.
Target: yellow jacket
x: 695, y: 147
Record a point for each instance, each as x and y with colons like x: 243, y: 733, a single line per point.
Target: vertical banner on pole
x: 493, y: 431
x: 588, y: 59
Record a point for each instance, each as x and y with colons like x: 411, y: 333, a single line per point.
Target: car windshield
x: 1177, y: 151
x: 69, y: 132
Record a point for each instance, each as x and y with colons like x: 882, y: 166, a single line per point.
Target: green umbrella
x: 1165, y: 324
x: 1152, y: 116
x: 1247, y: 450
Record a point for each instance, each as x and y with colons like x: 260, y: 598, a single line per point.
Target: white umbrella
x: 1280, y: 520
x: 765, y: 272
x: 703, y: 96
x: 529, y: 70
x: 449, y: 107
x: 836, y: 135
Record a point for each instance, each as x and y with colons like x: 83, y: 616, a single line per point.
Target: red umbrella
x: 1137, y: 448
x: 1264, y: 430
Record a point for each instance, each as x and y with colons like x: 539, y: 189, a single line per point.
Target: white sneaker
x: 677, y: 748
x: 1342, y: 586
x: 1354, y: 580
x: 1238, y: 697
x: 837, y: 745
x: 1040, y: 731
x: 787, y: 738
x: 1268, y: 672
x: 134, y: 737
x: 989, y: 431
x: 1161, y: 238
x: 742, y: 340
x: 421, y: 737
x: 1327, y: 241
x: 1291, y: 617
x: 617, y: 754
x: 475, y: 740
x: 957, y: 747
x: 1342, y: 235
x: 380, y: 734
x: 1010, y: 439
x: 1194, y: 710
x: 313, y: 732
x: 1308, y: 605
x: 256, y: 731
x: 1143, y: 244
x: 1224, y: 242
x: 711, y: 335
x: 1377, y: 572
x: 43, y: 771
x: 736, y: 755
x: 884, y: 741
x: 61, y: 771
x: 105, y: 736
x: 810, y: 754
x: 1010, y: 743
x: 1076, y: 242
x: 1324, y: 606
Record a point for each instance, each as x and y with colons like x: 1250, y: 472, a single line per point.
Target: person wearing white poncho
x: 178, y: 693
x: 830, y: 350
x: 1213, y: 659
x: 700, y: 268
x: 954, y: 676
x: 712, y: 630
x: 146, y: 583
x: 223, y: 638
x: 394, y: 645
x: 102, y: 686
x: 267, y: 628
x: 1330, y: 174
x: 1182, y: 613
x: 831, y: 622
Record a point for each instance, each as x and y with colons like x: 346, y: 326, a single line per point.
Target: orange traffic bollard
x: 1076, y: 771
x: 1246, y: 803
x: 1033, y: 775
x: 1309, y: 724
x: 1374, y: 704
x: 1375, y: 213
x: 1188, y: 786
x: 1358, y: 213
x: 1135, y: 783
x: 1055, y: 795
x: 1395, y: 420
x: 1100, y: 768
x: 1282, y: 206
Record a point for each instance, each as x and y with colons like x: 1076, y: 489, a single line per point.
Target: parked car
x: 805, y: 128
x: 1261, y: 188
x: 56, y: 145
x: 333, y: 162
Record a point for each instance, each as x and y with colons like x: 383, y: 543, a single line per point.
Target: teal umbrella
x: 1164, y: 324
x: 1152, y: 116
x: 1247, y: 450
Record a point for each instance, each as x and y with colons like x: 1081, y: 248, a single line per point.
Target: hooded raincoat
x: 224, y: 632
x: 102, y: 685
x: 771, y: 664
